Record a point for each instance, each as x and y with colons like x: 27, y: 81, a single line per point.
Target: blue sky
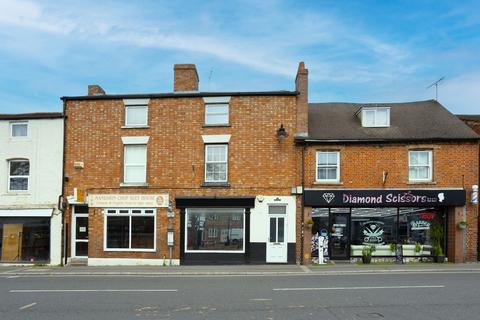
x: 360, y: 51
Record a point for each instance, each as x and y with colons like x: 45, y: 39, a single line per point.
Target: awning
x: 11, y: 213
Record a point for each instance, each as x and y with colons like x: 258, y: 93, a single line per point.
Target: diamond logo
x: 328, y: 197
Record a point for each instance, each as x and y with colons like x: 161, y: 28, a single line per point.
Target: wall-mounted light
x: 281, y: 132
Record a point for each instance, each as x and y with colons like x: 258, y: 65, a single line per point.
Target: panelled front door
x: 277, y: 248
x: 80, y: 232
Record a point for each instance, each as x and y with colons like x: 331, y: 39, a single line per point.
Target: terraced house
x: 399, y: 177
x: 183, y: 177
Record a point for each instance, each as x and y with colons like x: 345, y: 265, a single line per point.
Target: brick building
x: 397, y: 176
x: 473, y: 121
x: 183, y: 177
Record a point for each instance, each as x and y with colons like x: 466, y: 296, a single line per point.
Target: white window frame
x: 226, y: 163
x: 207, y: 113
x: 130, y: 214
x: 430, y: 166
x: 213, y: 233
x: 14, y: 123
x: 185, y: 243
x: 136, y: 104
x: 23, y: 176
x: 375, y: 124
x: 136, y: 164
x: 337, y: 166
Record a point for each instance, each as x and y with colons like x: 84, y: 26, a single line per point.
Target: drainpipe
x: 302, y: 206
x: 61, y: 197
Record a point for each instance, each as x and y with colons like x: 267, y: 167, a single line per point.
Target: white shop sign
x: 128, y: 200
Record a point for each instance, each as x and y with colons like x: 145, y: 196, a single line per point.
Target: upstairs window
x: 19, y: 172
x: 216, y: 162
x: 135, y: 164
x: 420, y: 165
x: 328, y: 166
x: 216, y: 114
x: 375, y: 117
x: 18, y: 129
x: 136, y: 112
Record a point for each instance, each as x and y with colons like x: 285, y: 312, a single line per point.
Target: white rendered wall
x: 43, y: 147
x: 259, y: 223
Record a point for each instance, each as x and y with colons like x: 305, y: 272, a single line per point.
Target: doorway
x: 80, y: 232
x: 277, y: 247
x: 339, y: 236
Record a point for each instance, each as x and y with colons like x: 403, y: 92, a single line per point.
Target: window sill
x: 215, y: 185
x: 216, y: 125
x: 331, y: 183
x: 129, y: 250
x: 13, y: 193
x: 135, y: 127
x: 133, y: 185
x: 421, y: 182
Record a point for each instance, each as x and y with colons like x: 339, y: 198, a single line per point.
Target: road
x: 437, y: 295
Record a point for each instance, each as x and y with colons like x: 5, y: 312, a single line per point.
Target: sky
x: 356, y: 51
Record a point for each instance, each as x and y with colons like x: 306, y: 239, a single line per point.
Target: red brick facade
x: 455, y: 165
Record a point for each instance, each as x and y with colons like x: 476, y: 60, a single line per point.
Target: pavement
x: 343, y: 268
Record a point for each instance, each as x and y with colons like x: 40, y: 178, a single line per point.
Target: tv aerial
x: 436, y: 86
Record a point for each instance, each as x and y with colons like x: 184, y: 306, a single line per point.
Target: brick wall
x: 455, y: 165
x: 258, y: 163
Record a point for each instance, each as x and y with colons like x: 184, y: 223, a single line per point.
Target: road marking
x: 261, y: 299
x: 27, y: 306
x: 357, y: 288
x: 92, y: 290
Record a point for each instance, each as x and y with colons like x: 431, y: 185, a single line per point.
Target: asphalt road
x: 310, y: 296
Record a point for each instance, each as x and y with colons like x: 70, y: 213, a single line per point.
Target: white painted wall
x: 43, y: 147
x: 259, y: 223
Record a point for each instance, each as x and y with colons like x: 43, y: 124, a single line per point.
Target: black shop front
x: 408, y: 222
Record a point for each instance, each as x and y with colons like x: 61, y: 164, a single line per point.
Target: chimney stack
x: 185, y: 78
x: 301, y: 86
x: 95, y: 90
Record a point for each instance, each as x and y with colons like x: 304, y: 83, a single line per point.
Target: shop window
x: 202, y: 232
x: 135, y: 164
x: 18, y: 129
x: 24, y: 239
x: 328, y: 166
x: 376, y: 227
x: 420, y: 229
x: 216, y: 163
x: 130, y: 229
x: 216, y: 114
x: 19, y: 172
x: 420, y: 165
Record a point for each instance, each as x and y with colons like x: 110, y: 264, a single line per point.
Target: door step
x: 75, y: 262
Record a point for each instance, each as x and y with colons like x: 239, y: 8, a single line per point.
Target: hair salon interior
x: 192, y: 177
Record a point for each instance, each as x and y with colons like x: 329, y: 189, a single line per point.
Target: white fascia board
x: 216, y: 99
x: 216, y: 138
x: 136, y: 102
x: 26, y: 213
x: 135, y: 140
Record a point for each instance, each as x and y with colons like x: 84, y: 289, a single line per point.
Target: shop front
x: 29, y: 236
x: 408, y: 223
x: 237, y: 230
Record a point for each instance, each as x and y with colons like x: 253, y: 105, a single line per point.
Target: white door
x: 79, y: 232
x: 277, y: 248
